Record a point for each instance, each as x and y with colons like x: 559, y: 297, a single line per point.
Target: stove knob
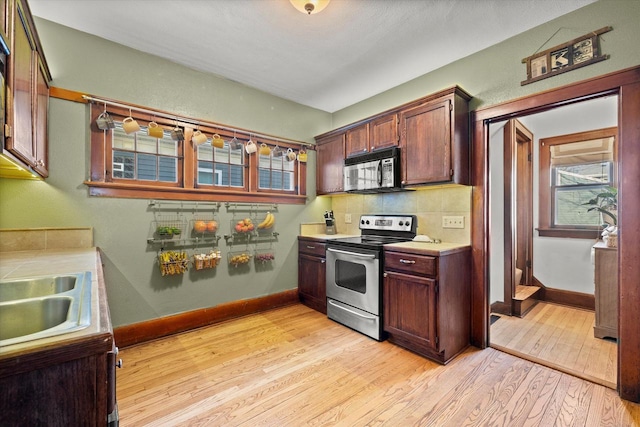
x: 367, y: 222
x: 400, y: 223
x: 407, y: 223
x: 362, y: 221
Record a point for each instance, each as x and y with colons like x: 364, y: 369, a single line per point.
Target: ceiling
x: 352, y: 50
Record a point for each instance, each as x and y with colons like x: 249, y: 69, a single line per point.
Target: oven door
x: 353, y: 278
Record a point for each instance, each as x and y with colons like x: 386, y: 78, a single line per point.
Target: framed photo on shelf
x: 568, y: 56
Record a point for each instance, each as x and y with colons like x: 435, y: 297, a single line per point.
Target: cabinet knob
x: 119, y: 363
x: 407, y: 261
x: 322, y: 261
x: 40, y: 162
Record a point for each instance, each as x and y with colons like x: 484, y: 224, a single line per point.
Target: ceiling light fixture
x: 310, y: 6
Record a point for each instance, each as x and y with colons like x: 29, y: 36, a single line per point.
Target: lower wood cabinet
x: 606, y: 291
x: 426, y: 301
x: 312, y: 274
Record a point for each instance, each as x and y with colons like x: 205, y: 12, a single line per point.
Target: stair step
x: 523, y: 292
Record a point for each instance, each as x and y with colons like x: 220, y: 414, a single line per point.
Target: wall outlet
x: 452, y: 222
x: 347, y: 218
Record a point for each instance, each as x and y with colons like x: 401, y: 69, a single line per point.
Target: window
x: 138, y: 156
x: 221, y: 167
x: 573, y: 170
x: 275, y: 171
x: 138, y: 165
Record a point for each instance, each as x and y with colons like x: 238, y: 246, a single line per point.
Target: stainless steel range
x: 354, y: 271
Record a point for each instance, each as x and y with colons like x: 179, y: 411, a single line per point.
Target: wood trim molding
x: 626, y: 84
x: 137, y: 333
x: 564, y: 297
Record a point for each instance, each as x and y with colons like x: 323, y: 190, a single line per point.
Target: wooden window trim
x: 545, y: 215
x: 101, y: 184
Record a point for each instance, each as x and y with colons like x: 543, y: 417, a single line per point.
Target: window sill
x: 139, y: 191
x: 571, y: 233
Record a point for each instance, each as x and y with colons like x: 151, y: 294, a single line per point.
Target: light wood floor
x: 294, y: 367
x: 559, y: 337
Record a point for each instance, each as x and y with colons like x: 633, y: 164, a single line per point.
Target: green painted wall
x: 89, y: 64
x: 494, y: 74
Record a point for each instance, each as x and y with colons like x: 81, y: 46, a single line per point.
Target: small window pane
x: 205, y: 152
x: 147, y: 169
x: 237, y: 176
x: 288, y: 166
x: 264, y: 178
x: 276, y: 162
x: 237, y: 157
x: 276, y: 180
x: 264, y: 161
x: 570, y: 209
x: 287, y: 181
x: 167, y: 169
x: 168, y: 147
x: 588, y: 174
x: 221, y: 154
x: 205, y: 173
x: 122, y: 140
x: 123, y: 165
x: 146, y: 144
x: 222, y: 175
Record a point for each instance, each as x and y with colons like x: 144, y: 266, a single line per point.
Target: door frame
x: 516, y: 136
x: 626, y: 84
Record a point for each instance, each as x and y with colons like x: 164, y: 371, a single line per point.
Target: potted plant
x: 607, y: 204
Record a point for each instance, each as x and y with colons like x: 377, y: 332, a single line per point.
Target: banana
x: 268, y: 221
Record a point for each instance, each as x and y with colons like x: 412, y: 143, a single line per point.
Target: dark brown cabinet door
x: 357, y: 140
x: 410, y: 309
x: 20, y: 91
x: 426, y: 143
x: 383, y: 132
x: 330, y: 163
x: 312, y: 282
x: 40, y: 118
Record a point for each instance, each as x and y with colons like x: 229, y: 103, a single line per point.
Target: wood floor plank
x: 294, y: 367
x: 559, y: 337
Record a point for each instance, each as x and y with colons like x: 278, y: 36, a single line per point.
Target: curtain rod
x: 196, y: 122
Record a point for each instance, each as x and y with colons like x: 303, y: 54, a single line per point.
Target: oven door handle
x: 351, y: 253
x: 351, y: 311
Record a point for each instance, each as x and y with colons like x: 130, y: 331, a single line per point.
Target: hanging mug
x: 250, y: 148
x: 291, y: 155
x: 105, y: 122
x: 264, y: 149
x: 130, y: 125
x: 277, y: 152
x: 217, y: 141
x: 199, y: 138
x: 302, y: 156
x: 177, y: 134
x: 154, y: 130
x: 235, y: 144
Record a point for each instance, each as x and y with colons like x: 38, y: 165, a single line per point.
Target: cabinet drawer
x: 410, y: 263
x: 312, y: 247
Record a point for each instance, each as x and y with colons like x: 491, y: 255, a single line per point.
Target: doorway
x: 537, y: 267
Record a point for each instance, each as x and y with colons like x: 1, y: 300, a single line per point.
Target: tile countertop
x: 14, y: 265
x: 423, y: 248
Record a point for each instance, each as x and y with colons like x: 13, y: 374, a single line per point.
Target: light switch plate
x: 347, y: 218
x: 452, y: 222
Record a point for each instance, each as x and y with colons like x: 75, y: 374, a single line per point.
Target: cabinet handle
x: 322, y: 261
x: 407, y: 261
x: 119, y: 363
x: 310, y: 247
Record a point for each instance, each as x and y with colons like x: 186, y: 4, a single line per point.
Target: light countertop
x: 428, y: 248
x: 15, y: 265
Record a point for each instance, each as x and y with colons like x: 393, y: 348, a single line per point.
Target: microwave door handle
x: 351, y: 253
x: 379, y: 174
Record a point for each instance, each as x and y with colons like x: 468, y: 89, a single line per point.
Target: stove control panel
x: 388, y: 222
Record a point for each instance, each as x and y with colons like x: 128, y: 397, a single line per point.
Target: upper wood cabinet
x: 434, y: 141
x: 383, y: 132
x: 432, y: 132
x: 357, y: 140
x: 27, y: 96
x: 329, y: 164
